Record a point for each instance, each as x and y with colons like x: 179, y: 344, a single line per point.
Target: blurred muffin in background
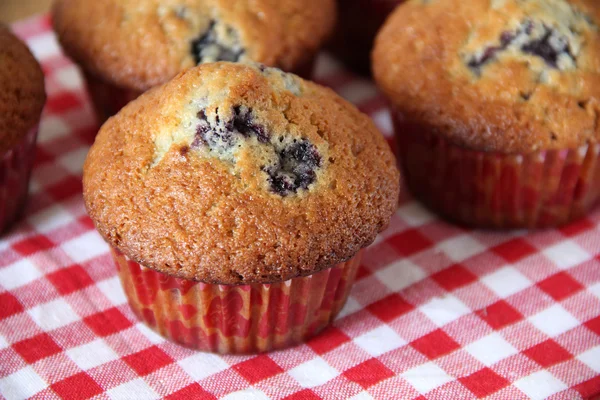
x: 496, y: 107
x: 22, y: 98
x: 126, y: 47
x: 358, y: 24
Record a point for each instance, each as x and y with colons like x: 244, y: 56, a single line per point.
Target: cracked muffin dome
x: 234, y: 174
x: 142, y: 43
x: 22, y: 94
x: 510, y: 76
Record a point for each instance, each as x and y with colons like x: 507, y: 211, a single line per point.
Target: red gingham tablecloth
x: 437, y: 312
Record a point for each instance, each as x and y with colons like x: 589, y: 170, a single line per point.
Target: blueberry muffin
x: 22, y: 98
x: 130, y: 46
x: 496, y: 107
x: 357, y: 25
x: 237, y: 201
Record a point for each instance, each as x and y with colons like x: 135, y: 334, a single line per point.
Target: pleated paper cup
x: 541, y: 189
x: 15, y: 171
x: 236, y: 319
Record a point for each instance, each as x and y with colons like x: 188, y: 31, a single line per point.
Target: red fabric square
x: 435, y: 344
x: 147, y: 361
x: 107, y: 322
x: 514, y: 250
x: 32, y: 245
x: 362, y: 272
x: 77, y: 387
x: 71, y: 279
x: 61, y: 102
x: 390, y: 307
x: 409, y: 242
x: 36, y: 348
x: 369, y: 373
x: 193, y: 391
x: 258, y: 368
x: 484, y: 382
x: 577, y: 227
x: 305, y: 394
x: 548, y: 353
x: 589, y: 388
x: 328, y: 340
x: 66, y: 188
x: 560, y: 286
x: 499, y: 314
x: 10, y: 305
x: 594, y: 325
x: 454, y: 277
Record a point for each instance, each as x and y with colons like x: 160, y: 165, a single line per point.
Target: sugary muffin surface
x: 497, y: 75
x: 22, y: 94
x: 234, y: 174
x: 138, y: 44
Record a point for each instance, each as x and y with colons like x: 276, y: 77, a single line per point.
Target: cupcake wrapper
x: 108, y: 99
x: 236, y: 319
x: 484, y: 189
x: 15, y: 171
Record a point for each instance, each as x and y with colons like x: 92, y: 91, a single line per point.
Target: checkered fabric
x: 437, y: 312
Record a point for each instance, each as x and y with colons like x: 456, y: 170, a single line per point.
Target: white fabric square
x: 52, y: 315
x: 591, y: 358
x: 151, y: 335
x: 506, y: 281
x: 18, y: 274
x: 566, y: 254
x: 383, y: 120
x: 44, y: 46
x: 52, y: 128
x: 350, y: 307
x: 357, y: 91
x: 491, y: 349
x: 313, y: 373
x: 414, y: 214
x: 22, y: 384
x: 92, y: 354
x: 540, y: 385
x: 426, y: 377
x: 554, y: 320
x: 85, y: 247
x: 73, y: 160
x: 444, y: 310
x: 400, y: 275
x: 379, y: 341
x: 247, y: 394
x: 202, y: 365
x: 113, y: 290
x: 50, y: 219
x: 133, y: 390
x: 362, y: 396
x: 69, y: 77
x: 595, y: 290
x: 461, y: 247
x: 3, y: 343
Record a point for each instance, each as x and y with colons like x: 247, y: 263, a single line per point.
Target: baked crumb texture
x: 235, y: 174
x: 140, y: 44
x: 510, y: 76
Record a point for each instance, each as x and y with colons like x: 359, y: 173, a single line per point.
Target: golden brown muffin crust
x: 234, y: 174
x: 22, y: 94
x: 138, y: 44
x: 510, y: 76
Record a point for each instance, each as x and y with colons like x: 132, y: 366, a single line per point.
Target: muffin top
x: 235, y: 174
x: 510, y: 76
x: 138, y: 44
x: 22, y: 94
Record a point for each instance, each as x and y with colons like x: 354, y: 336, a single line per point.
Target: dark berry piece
x: 549, y: 47
x: 243, y: 123
x: 208, y: 45
x: 295, y: 169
